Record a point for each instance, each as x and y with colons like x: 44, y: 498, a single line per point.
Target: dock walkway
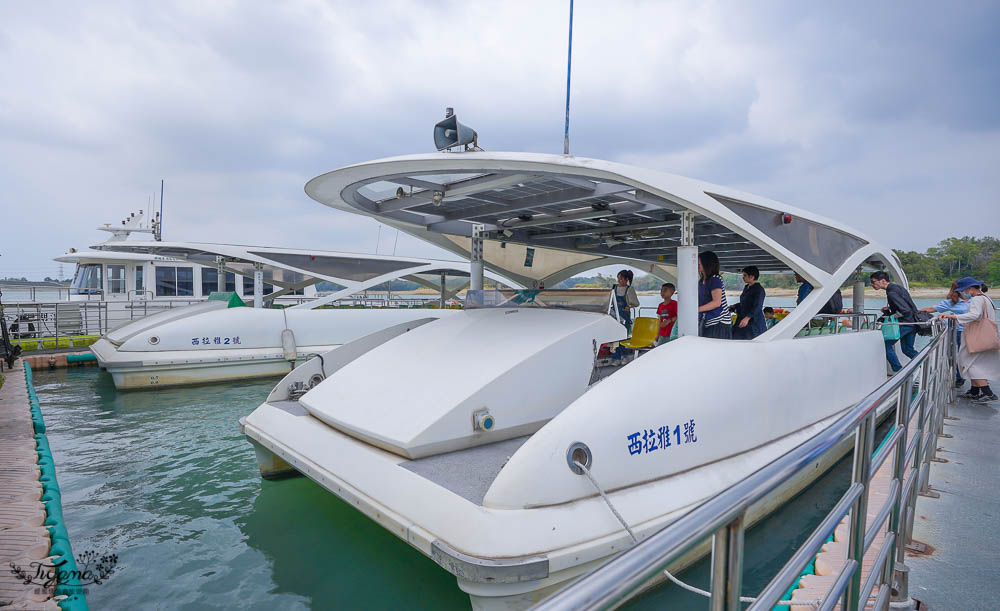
x: 23, y: 536
x: 958, y: 567
x: 959, y: 570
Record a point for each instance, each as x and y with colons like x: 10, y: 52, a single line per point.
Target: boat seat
x: 645, y: 330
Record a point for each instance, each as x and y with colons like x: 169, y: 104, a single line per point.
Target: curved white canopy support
x: 291, y: 268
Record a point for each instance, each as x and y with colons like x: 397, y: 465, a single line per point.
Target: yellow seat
x: 645, y: 330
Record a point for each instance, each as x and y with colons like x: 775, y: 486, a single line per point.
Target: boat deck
x: 23, y: 537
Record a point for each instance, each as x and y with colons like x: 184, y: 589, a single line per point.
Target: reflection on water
x: 164, y: 479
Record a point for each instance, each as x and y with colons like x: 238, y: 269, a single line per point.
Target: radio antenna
x: 569, y: 65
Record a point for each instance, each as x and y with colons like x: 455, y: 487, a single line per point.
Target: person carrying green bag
x: 900, y: 304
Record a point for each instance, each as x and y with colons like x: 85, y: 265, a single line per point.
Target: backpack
x: 834, y: 306
x: 924, y: 322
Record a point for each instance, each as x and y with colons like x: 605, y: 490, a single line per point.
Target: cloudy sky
x: 883, y: 115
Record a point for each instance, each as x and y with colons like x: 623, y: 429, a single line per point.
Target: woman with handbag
x: 979, y: 356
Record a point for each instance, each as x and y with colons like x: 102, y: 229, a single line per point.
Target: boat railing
x: 45, y: 325
x: 919, y: 395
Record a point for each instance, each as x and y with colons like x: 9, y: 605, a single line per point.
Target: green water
x: 164, y: 480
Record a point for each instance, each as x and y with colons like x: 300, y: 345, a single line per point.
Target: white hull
x: 508, y: 517
x: 233, y: 343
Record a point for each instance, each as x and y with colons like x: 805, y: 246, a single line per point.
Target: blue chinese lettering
x: 236, y: 339
x: 194, y: 341
x: 649, y: 440
x: 663, y: 436
x: 217, y: 340
x: 205, y: 341
x: 689, y: 432
x: 634, y: 445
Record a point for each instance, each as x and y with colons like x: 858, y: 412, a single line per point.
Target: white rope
x: 814, y: 603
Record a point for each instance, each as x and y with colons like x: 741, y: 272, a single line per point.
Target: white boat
x: 214, y: 341
x: 112, y: 288
x: 145, y: 280
x: 472, y: 453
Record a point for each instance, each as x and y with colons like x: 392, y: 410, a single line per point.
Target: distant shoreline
x: 918, y: 292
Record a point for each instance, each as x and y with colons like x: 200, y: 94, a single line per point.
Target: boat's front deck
x: 470, y: 472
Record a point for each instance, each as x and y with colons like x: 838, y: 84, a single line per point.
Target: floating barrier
x: 68, y: 591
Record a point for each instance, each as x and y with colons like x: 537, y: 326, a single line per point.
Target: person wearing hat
x: 979, y: 367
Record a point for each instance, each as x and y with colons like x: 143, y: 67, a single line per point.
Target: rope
x: 814, y: 603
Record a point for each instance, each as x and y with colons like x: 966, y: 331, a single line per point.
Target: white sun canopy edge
x: 290, y: 269
x: 548, y: 217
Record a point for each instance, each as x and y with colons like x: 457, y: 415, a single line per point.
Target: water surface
x: 164, y: 479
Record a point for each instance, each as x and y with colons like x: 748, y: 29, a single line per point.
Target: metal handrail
x: 722, y: 516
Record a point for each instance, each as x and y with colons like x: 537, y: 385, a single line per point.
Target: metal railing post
x: 727, y: 566
x: 863, y: 446
x: 896, y: 557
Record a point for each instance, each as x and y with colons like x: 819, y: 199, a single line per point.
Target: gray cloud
x: 882, y: 115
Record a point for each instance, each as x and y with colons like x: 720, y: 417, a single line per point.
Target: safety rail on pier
x: 921, y: 390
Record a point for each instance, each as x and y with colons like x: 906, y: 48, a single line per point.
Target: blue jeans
x: 907, y: 335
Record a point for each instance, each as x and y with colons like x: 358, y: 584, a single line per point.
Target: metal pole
x: 159, y: 224
x: 569, y: 65
x: 258, y: 285
x: 476, y: 269
x: 220, y: 282
x: 894, y: 561
x: 727, y: 566
x: 687, y: 278
x: 443, y: 286
x: 859, y: 300
x: 863, y: 447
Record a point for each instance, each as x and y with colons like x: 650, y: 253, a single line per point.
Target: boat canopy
x: 548, y: 217
x: 290, y: 269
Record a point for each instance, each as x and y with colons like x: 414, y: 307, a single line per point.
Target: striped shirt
x: 720, y: 314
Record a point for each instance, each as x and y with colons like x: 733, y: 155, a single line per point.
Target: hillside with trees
x: 940, y: 265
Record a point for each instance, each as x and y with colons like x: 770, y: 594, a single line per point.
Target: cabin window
x: 174, y: 281
x: 138, y: 279
x: 116, y: 279
x: 87, y: 280
x: 248, y: 287
x: 185, y: 281
x: 210, y: 281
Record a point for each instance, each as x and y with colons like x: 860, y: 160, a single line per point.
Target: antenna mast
x: 569, y: 65
x: 159, y: 221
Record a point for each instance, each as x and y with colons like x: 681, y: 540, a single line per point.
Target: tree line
x: 940, y: 265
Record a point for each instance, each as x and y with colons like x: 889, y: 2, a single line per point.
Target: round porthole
x: 153, y: 339
x: 577, y: 454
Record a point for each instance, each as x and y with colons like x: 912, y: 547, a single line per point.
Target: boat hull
x: 198, y: 344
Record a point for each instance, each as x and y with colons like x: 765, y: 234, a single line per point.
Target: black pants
x: 718, y: 331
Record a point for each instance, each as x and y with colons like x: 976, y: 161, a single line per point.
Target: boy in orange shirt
x: 667, y: 312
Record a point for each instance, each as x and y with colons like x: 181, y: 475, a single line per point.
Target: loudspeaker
x: 450, y: 132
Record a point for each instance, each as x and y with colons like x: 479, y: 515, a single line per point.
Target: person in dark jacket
x: 750, y: 310
x: 900, y: 304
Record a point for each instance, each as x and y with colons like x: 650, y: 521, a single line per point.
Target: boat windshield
x: 87, y: 280
x: 587, y: 300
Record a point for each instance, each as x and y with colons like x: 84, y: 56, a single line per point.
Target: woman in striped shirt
x: 712, y: 307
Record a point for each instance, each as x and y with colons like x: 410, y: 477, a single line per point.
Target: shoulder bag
x: 981, y: 335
